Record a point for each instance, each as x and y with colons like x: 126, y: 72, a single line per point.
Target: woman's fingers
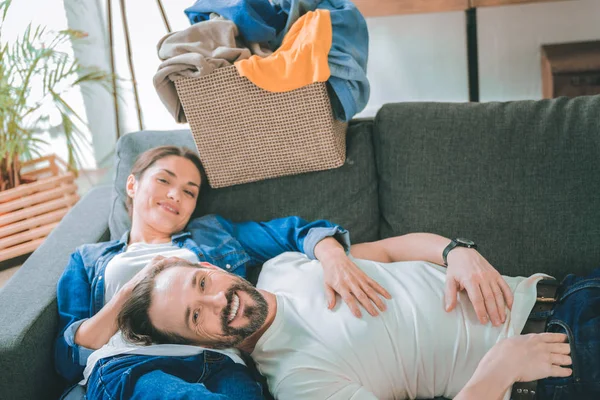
x: 349, y: 299
x: 374, y: 296
x: 363, y: 299
x: 378, y: 288
x: 330, y: 295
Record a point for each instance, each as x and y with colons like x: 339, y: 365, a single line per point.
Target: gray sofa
x: 521, y: 179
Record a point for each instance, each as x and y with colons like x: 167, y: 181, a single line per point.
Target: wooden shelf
x: 378, y: 8
x: 494, y: 3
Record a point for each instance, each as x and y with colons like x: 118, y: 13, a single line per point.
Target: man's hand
x: 156, y: 262
x: 522, y: 358
x: 487, y: 290
x: 527, y: 358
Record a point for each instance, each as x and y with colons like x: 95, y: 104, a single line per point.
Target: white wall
x: 412, y: 57
x: 510, y: 40
x: 423, y: 57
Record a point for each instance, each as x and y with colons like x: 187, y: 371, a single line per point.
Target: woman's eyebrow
x: 175, y: 176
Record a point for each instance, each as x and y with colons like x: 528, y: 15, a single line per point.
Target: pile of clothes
x: 279, y: 45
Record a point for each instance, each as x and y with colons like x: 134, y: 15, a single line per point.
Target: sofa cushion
x: 519, y: 178
x: 346, y: 195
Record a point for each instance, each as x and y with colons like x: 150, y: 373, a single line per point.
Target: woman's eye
x: 189, y: 193
x: 161, y: 180
x: 203, y: 283
x: 195, y: 317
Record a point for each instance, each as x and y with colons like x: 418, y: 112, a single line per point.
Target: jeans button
x: 228, y: 266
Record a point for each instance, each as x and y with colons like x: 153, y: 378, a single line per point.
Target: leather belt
x: 546, y: 297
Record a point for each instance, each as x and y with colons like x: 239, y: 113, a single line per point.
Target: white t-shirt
x: 415, y: 349
x: 120, y: 269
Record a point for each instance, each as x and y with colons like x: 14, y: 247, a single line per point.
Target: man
x: 413, y: 350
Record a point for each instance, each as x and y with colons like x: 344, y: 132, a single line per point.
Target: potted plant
x: 35, y: 75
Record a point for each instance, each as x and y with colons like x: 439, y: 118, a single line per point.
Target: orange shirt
x: 301, y: 59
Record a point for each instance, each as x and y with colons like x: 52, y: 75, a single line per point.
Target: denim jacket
x: 232, y: 246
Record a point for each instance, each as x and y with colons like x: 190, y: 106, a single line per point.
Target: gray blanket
x: 197, y: 51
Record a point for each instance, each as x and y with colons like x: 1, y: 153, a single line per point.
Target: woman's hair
x: 134, y: 319
x: 149, y: 157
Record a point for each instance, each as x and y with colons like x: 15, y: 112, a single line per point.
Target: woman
x: 162, y: 191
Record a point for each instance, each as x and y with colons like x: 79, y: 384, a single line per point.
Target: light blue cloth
x: 261, y: 21
x: 257, y: 20
x: 348, y: 55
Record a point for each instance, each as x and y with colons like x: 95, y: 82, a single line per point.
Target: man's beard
x: 256, y: 314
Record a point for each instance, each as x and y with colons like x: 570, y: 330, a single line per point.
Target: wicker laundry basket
x: 245, y: 134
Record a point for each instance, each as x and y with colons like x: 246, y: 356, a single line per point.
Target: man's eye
x: 195, y: 317
x: 203, y: 283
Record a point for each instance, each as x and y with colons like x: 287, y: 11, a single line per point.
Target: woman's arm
x: 95, y: 332
x: 73, y: 298
x: 265, y: 240
x: 80, y: 333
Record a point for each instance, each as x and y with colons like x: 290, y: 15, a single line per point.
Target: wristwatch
x: 458, y: 242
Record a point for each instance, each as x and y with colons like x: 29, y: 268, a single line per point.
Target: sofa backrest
x: 520, y: 178
x: 346, y: 195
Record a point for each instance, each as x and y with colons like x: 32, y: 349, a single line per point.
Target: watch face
x: 466, y: 242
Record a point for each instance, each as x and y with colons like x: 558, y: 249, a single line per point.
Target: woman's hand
x: 488, y: 291
x: 344, y: 277
x: 127, y: 288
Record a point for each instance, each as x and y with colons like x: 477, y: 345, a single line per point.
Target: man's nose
x: 215, y: 303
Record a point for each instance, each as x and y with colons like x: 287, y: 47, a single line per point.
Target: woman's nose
x: 173, y: 194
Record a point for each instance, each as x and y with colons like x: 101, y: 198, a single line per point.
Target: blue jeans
x: 210, y: 376
x: 577, y: 314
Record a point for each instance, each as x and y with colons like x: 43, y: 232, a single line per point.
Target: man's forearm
x: 415, y: 247
x: 484, y: 389
x: 490, y: 380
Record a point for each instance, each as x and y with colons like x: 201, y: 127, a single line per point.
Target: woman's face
x: 165, y: 197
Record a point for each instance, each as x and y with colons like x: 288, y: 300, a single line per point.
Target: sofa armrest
x: 28, y: 312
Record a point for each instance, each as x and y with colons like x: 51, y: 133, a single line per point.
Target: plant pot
x: 29, y: 212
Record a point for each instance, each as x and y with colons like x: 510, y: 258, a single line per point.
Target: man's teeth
x: 234, y: 307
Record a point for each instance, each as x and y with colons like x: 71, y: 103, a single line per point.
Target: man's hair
x: 149, y: 157
x: 134, y: 319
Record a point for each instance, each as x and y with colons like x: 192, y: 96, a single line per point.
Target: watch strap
x: 453, y: 243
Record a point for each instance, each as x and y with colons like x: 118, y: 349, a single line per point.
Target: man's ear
x: 131, y: 186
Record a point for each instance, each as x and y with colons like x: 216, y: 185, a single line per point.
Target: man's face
x: 165, y: 196
x: 209, y: 306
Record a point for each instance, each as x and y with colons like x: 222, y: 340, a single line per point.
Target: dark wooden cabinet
x: 571, y: 69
